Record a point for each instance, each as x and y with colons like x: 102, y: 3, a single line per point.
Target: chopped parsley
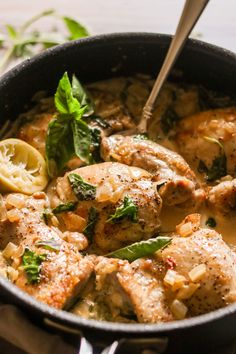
x: 47, y: 215
x: 127, y: 210
x: 70, y: 206
x: 82, y: 189
x: 32, y: 265
x: 211, y: 222
x: 92, y: 219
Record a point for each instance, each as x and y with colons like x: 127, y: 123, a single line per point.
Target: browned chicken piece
x: 193, y: 135
x: 204, y: 259
x: 128, y: 289
x: 63, y: 273
x: 177, y: 184
x: 114, y: 183
x: 222, y: 198
x: 193, y: 275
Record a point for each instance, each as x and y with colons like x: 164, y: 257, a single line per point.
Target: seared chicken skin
x: 204, y: 277
x: 64, y: 272
x: 113, y: 182
x: 177, y: 184
x: 193, y: 133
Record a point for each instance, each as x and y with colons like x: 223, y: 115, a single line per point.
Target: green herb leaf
x: 95, y: 144
x: 169, y: 120
x: 92, y: 219
x: 32, y: 265
x: 211, y: 222
x: 210, y: 99
x: 59, y: 145
x: 46, y: 215
x: 68, y: 134
x: 141, y: 249
x: 82, y: 189
x: 75, y: 28
x: 82, y: 96
x: 65, y: 102
x: 127, y: 210
x: 82, y: 140
x: 51, y: 245
x: 61, y: 208
x: 214, y: 141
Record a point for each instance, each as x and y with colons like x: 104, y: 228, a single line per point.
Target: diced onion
x: 3, y: 210
x: 12, y: 274
x: 173, y: 279
x: 178, y: 309
x: 13, y: 215
x: 197, y: 273
x: 187, y: 291
x: 185, y: 229
x: 9, y: 250
x: 15, y: 200
x: 77, y: 239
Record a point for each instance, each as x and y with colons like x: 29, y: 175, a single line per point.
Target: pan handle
x: 155, y: 345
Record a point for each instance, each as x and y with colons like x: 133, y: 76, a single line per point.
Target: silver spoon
x: 191, y: 13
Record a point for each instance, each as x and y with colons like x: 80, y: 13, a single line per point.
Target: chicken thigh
x: 125, y: 203
x: 177, y: 184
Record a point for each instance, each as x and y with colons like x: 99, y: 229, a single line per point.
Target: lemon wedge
x: 22, y: 167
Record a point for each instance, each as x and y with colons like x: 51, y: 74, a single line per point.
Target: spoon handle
x: 191, y: 13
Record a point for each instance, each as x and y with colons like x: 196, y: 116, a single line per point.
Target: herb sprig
x: 68, y: 133
x: 92, y: 220
x: 23, y: 42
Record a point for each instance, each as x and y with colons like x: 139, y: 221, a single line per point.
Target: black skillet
x: 102, y: 57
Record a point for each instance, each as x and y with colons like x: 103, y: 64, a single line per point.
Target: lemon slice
x: 22, y: 167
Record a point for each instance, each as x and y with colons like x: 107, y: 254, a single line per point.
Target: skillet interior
x: 102, y: 57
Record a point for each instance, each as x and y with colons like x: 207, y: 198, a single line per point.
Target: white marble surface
x: 217, y: 25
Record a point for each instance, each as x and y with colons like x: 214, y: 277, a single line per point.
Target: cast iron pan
x: 102, y: 57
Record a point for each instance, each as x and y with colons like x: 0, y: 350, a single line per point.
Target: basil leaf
x: 70, y: 206
x: 211, y: 222
x: 59, y: 145
x: 68, y: 134
x: 65, y: 102
x: 82, y: 140
x: 46, y: 215
x: 127, y: 210
x: 141, y: 249
x: 217, y: 170
x: 82, y: 96
x: 75, y: 29
x: 82, y: 189
x: 92, y: 219
x: 51, y: 245
x: 169, y: 120
x: 96, y: 141
x: 32, y: 265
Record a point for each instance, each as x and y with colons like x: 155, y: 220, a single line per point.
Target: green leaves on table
x: 24, y: 42
x: 141, y: 249
x: 68, y: 134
